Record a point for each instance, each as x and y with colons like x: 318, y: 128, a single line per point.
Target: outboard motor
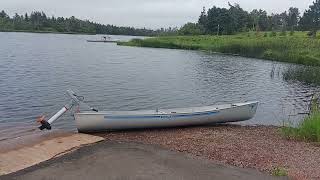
x: 75, y: 101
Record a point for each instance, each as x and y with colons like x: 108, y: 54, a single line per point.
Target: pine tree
x: 311, y: 18
x: 203, y: 20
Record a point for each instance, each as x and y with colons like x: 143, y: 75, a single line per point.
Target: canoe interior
x: 168, y: 111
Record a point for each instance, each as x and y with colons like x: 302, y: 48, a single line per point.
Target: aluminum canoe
x: 118, y: 120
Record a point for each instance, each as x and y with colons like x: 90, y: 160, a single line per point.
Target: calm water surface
x: 36, y: 69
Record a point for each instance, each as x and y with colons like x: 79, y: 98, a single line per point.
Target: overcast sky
x: 141, y: 13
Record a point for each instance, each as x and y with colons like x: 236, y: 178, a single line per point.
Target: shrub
x: 312, y: 33
x: 291, y: 33
x: 283, y: 33
x: 279, y: 171
x: 273, y: 34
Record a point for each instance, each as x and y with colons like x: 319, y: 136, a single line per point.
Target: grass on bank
x: 305, y: 74
x: 295, y: 48
x: 279, y: 171
x: 308, y: 129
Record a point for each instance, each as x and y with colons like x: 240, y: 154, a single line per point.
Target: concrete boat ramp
x: 22, y: 155
x: 70, y: 157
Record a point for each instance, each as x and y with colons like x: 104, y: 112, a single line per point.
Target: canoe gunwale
x: 170, y: 112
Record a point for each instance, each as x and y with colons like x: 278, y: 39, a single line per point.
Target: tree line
x: 234, y: 19
x: 215, y: 20
x: 40, y: 22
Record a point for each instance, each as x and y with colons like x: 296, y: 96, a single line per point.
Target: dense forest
x: 234, y: 19
x: 40, y: 22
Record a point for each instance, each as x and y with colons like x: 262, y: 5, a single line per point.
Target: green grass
x: 297, y: 48
x: 307, y: 130
x: 279, y: 171
x: 304, y: 74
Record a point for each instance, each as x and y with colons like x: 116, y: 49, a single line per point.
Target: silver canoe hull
x: 117, y: 120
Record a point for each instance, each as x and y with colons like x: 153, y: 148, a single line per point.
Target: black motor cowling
x: 45, y: 125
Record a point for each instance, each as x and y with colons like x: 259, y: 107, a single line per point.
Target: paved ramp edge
x: 25, y: 157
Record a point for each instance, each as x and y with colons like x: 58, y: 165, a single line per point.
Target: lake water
x: 37, y: 69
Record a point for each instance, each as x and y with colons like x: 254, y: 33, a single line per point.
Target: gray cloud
x: 141, y: 13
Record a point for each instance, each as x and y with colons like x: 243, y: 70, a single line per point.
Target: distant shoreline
x: 55, y: 32
x: 46, y: 32
x: 296, y: 48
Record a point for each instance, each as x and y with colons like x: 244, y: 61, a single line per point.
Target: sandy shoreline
x: 259, y: 147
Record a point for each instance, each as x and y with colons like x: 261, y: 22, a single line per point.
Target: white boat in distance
x: 93, y: 121
x: 105, y: 39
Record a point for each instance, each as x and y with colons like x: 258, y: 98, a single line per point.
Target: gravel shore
x: 259, y: 147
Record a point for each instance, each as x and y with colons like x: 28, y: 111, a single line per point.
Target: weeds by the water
x: 297, y: 48
x: 304, y: 74
x: 279, y: 171
x: 309, y: 128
